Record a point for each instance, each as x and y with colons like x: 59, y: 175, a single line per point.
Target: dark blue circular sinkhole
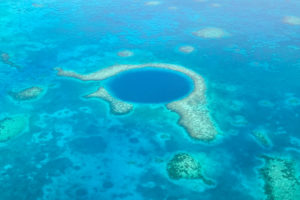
x: 150, y: 85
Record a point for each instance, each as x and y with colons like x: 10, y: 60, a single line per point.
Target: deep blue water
x: 74, y: 148
x: 150, y: 86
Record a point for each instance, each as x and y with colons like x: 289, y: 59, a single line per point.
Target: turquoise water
x: 75, y: 148
x: 150, y: 86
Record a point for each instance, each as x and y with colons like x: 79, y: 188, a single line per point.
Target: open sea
x: 55, y: 144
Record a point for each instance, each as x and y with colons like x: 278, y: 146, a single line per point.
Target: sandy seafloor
x: 76, y: 149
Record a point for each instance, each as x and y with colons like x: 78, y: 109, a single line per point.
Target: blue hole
x: 150, y: 85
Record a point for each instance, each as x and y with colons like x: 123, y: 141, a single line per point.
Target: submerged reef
x: 37, y: 5
x: 185, y: 166
x: 261, y: 136
x: 172, y: 8
x: 194, y: 116
x: 281, y: 179
x: 216, y: 5
x: 238, y: 121
x: 5, y: 58
x: 152, y: 3
x: 292, y: 101
x: 211, y: 33
x: 27, y: 93
x: 125, y: 53
x: 12, y: 126
x: 266, y: 103
x: 292, y: 20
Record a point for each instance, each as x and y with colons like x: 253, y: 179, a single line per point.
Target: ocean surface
x: 67, y: 147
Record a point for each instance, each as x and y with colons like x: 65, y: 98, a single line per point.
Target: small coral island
x: 27, y: 93
x: 12, y: 126
x: 186, y: 49
x: 281, y: 179
x: 184, y: 166
x: 194, y: 116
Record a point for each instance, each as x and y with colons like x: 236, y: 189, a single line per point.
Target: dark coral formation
x: 5, y: 58
x: 185, y: 166
x: 281, y: 179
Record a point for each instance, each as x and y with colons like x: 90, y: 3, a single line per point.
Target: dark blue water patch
x: 150, y: 85
x: 89, y: 145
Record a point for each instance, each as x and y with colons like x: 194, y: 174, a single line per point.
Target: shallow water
x: 150, y: 86
x: 75, y: 148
